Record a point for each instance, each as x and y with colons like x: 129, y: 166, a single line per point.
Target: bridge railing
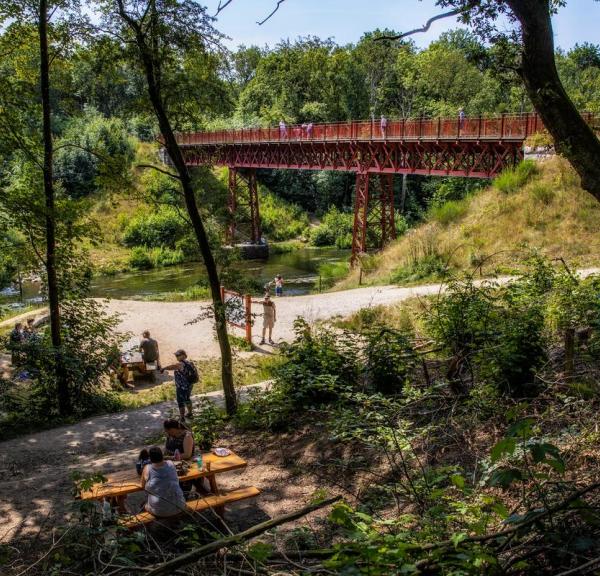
x: 504, y: 127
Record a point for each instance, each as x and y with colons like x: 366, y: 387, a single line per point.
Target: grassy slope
x: 550, y: 213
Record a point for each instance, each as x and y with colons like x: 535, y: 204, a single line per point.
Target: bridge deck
x: 515, y: 128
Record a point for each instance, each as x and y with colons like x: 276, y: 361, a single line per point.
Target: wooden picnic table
x: 120, y: 484
x: 131, y: 362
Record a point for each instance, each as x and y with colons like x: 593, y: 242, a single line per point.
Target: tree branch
x: 222, y: 5
x: 428, y: 24
x: 279, y: 3
x: 159, y: 170
x: 185, y: 559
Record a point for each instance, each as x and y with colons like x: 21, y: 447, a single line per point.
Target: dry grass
x: 550, y: 213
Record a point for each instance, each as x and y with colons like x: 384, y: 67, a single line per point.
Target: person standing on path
x: 269, y: 317
x: 149, y: 349
x: 186, y: 375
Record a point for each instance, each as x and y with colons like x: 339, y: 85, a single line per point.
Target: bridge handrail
x: 513, y: 127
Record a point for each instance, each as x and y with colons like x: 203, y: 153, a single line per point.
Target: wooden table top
x: 127, y: 481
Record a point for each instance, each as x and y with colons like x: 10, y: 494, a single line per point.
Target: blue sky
x: 346, y: 20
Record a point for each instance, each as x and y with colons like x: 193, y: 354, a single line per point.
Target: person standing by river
x: 278, y: 285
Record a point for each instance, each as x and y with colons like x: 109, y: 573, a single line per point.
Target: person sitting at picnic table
x: 149, y: 349
x: 179, y: 439
x: 160, y: 481
x: 186, y: 376
x: 16, y: 340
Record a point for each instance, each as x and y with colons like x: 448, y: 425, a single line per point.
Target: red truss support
x: 242, y: 205
x: 373, y: 208
x: 361, y: 214
x: 480, y: 159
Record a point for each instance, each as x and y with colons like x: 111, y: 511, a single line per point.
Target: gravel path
x: 167, y: 320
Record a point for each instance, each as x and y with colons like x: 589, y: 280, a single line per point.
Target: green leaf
x: 505, y: 446
x: 260, y: 551
x: 504, y: 477
x: 458, y: 481
x: 458, y: 538
x: 521, y: 428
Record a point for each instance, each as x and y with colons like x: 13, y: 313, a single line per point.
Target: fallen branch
x: 185, y: 559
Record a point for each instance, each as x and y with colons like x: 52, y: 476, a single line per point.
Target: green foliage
x: 335, y: 229
x: 154, y: 229
x: 390, y: 360
x: 449, y: 212
x: 330, y: 272
x: 428, y: 267
x: 280, y: 220
x: 513, y: 179
x: 207, y: 423
x: 144, y: 259
x: 93, y: 151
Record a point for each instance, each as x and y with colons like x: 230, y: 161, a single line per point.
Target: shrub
x: 335, y: 229
x: 390, y: 359
x: 448, y: 212
x: 207, y: 424
x: 542, y: 193
x: 428, y: 267
x: 143, y: 259
x: 513, y: 179
x: 140, y: 259
x: 155, y: 230
x: 281, y: 220
x: 330, y: 272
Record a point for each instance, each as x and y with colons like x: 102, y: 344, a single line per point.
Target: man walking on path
x: 149, y: 349
x: 186, y: 375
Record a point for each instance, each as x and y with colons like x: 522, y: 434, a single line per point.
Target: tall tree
x: 163, y: 32
x: 572, y: 136
x: 39, y: 12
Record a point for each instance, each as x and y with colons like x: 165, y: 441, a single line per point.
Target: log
x: 170, y: 566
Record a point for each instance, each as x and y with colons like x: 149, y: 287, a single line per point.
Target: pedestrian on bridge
x: 309, y: 130
x: 461, y: 117
x: 282, y: 130
x: 383, y: 126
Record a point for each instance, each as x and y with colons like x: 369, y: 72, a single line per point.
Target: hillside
x: 535, y: 207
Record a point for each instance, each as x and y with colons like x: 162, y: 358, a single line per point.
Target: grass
x: 536, y: 206
x: 248, y: 370
x: 190, y: 294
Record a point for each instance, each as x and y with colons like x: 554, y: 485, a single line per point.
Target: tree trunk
x: 64, y: 400
x: 190, y: 201
x: 573, y: 138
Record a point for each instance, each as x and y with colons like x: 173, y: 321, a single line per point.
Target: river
x: 298, y: 268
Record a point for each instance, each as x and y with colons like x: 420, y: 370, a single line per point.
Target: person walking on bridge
x: 282, y: 130
x: 383, y: 125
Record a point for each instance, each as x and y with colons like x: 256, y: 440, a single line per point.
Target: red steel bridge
x: 469, y: 147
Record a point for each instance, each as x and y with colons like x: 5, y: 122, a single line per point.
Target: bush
x: 513, y: 179
x: 281, y: 220
x: 448, y: 212
x: 335, y: 229
x: 426, y: 268
x: 330, y: 272
x: 155, y: 230
x: 206, y: 424
x: 390, y: 360
x: 143, y: 259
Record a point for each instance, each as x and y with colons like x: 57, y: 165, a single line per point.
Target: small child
x: 143, y: 459
x: 278, y: 285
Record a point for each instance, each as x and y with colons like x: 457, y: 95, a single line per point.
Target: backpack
x: 191, y: 372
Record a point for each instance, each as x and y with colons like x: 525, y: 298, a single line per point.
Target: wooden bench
x: 193, y: 506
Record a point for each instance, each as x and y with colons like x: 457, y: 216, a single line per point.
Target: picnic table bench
x: 132, y: 362
x: 120, y: 484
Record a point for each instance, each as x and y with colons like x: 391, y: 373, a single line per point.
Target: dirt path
x: 167, y: 320
x: 34, y: 470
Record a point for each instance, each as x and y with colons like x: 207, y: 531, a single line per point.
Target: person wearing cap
x: 186, y: 375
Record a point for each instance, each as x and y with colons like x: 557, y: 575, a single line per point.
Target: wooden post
x: 248, y: 302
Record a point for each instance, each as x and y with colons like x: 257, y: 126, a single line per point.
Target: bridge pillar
x: 373, y: 206
x: 242, y: 205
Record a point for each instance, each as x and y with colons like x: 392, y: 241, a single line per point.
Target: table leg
x: 118, y: 502
x: 212, y: 480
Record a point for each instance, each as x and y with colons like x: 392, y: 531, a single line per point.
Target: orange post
x: 248, y: 301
